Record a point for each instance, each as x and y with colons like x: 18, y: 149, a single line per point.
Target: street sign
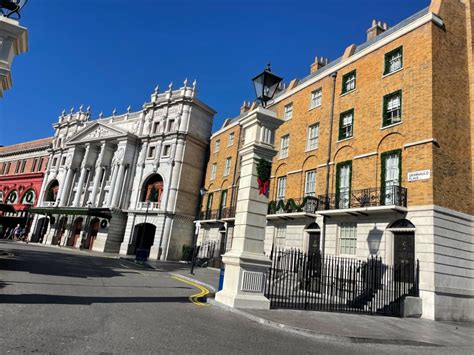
x: 419, y: 175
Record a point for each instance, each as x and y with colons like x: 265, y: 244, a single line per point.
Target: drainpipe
x: 331, y: 124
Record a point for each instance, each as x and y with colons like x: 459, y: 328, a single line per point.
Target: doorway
x: 40, y: 230
x: 404, y: 255
x: 76, y: 232
x: 143, y: 237
x: 92, y: 235
x: 60, y: 229
x: 314, y: 238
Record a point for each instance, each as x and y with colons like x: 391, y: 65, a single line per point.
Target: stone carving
x: 99, y: 132
x: 68, y: 161
x: 136, y: 126
x: 118, y: 157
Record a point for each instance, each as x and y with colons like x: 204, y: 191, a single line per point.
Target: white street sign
x: 419, y: 175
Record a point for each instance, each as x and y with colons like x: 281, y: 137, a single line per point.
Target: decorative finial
x: 80, y: 107
x: 185, y: 82
x: 88, y: 109
x: 269, y: 66
x: 194, y: 84
x: 63, y: 113
x: 101, y: 114
x: 114, y: 112
x: 72, y: 109
x: 170, y: 86
x: 129, y: 108
x: 157, y: 89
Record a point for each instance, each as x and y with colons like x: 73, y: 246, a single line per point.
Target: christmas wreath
x: 264, y: 171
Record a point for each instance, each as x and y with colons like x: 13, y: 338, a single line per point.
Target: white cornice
x: 429, y: 17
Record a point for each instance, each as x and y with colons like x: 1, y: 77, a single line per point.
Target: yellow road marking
x: 195, y: 298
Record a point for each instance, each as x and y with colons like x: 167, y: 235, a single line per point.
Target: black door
x: 314, y: 242
x: 404, y: 256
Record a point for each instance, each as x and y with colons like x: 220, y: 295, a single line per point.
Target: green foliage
x: 264, y: 169
x: 186, y: 253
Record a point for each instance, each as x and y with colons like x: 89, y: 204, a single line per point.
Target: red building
x: 22, y: 169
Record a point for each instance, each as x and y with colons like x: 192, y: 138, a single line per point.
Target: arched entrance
x: 52, y: 191
x: 60, y: 229
x: 94, y: 226
x: 40, y: 230
x: 75, y: 231
x: 403, y: 249
x: 152, y: 189
x: 314, y: 238
x: 143, y: 237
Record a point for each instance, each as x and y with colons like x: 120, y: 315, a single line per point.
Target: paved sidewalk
x: 352, y: 327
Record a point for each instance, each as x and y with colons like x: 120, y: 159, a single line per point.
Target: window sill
x: 310, y: 150
x: 390, y: 126
x: 347, y: 92
x: 312, y: 108
x: 165, y: 156
x: 391, y: 73
x: 345, y: 139
x: 282, y: 158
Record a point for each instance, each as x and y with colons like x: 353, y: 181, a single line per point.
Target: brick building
x: 22, y: 169
x: 375, y: 157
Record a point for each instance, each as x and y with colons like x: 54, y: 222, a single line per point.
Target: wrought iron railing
x: 209, y: 214
x: 312, y: 282
x: 228, y: 212
x: 370, y: 197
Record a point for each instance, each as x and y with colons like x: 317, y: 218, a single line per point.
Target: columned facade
x: 124, y: 181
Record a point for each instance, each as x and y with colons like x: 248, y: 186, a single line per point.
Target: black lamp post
x: 266, y: 84
x: 202, y: 192
x: 8, y: 8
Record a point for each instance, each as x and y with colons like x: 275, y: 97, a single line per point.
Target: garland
x: 289, y: 206
x: 264, y: 171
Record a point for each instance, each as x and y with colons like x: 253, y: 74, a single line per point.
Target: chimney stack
x: 245, y: 107
x: 377, y: 28
x: 318, y: 64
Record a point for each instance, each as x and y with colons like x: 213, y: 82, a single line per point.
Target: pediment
x: 97, y: 131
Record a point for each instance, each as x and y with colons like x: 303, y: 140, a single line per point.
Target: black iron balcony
x: 370, y: 197
x: 209, y: 215
x: 228, y: 212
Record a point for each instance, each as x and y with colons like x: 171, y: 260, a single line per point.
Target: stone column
x: 245, y: 264
x: 118, y: 186
x: 112, y: 185
x: 82, y: 177
x: 66, y: 187
x: 98, y: 174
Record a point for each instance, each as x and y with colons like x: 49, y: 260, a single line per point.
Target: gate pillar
x: 245, y: 264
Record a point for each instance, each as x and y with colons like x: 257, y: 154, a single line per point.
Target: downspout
x: 328, y: 167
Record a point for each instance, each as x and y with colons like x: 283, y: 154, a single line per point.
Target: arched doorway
x: 403, y: 249
x: 94, y: 226
x: 75, y: 231
x: 60, y: 229
x: 143, y: 237
x: 52, y: 191
x: 152, y: 189
x: 40, y: 230
x: 314, y: 238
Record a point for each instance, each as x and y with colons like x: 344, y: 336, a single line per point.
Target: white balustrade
x: 151, y: 206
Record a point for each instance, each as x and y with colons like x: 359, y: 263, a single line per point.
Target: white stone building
x: 127, y: 181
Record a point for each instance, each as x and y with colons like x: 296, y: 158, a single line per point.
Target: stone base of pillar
x: 154, y: 253
x: 244, y: 281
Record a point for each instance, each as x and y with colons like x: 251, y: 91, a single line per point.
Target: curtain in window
x: 392, y: 177
x: 344, y: 186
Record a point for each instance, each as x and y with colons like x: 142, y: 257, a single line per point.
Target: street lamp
x: 266, y: 84
x: 8, y: 8
x: 202, y: 192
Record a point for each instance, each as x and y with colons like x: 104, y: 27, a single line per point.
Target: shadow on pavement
x: 86, y: 300
x: 61, y: 264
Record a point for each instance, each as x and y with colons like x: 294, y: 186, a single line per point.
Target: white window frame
x: 348, y: 238
x: 284, y: 146
x: 217, y: 145
x: 149, y: 155
x: 230, y: 140
x: 349, y: 84
x: 348, y: 129
x: 313, y: 137
x: 288, y: 111
x: 394, y: 113
x: 310, y: 183
x: 280, y: 236
x: 213, y: 171
x: 281, y: 188
x: 316, y: 98
x: 227, y: 166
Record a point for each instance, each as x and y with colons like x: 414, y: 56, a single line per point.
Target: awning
x: 7, y: 208
x: 82, y: 211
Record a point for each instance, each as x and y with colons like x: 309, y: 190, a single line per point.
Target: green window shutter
x: 384, y: 115
x: 341, y: 135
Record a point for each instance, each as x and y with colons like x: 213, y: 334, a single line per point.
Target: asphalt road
x: 56, y: 300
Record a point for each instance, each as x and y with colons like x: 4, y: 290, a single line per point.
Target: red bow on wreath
x: 263, y: 186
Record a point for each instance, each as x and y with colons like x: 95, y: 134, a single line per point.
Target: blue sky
x: 108, y: 55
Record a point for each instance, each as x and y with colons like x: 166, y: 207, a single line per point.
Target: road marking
x: 195, y: 298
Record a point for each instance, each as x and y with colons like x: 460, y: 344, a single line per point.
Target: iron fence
x: 297, y: 280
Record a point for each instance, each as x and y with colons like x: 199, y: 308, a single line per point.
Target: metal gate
x: 298, y: 280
